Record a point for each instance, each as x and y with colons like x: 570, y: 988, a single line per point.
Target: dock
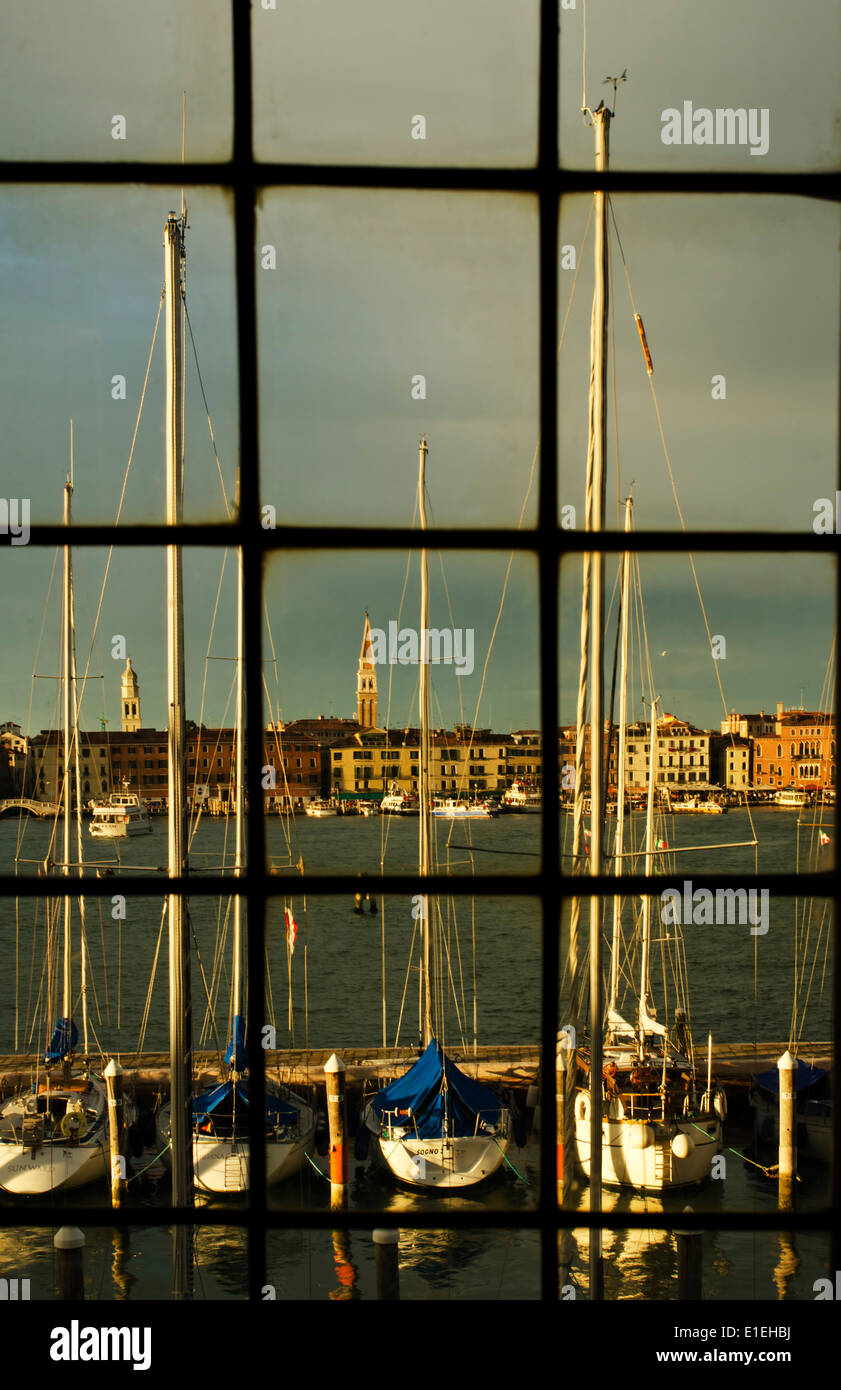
x: 513, y: 1066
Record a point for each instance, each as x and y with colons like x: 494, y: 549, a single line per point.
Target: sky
x: 360, y: 293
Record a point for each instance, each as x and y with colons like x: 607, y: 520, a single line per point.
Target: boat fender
x: 640, y: 1136
x: 682, y: 1145
x: 532, y: 1097
x: 357, y: 902
x: 720, y: 1104
x: 74, y: 1124
x: 582, y: 1107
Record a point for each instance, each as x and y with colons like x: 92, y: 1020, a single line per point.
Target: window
x: 549, y: 541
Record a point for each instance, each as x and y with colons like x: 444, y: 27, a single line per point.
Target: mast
x: 620, y: 780
x: 423, y: 787
x: 66, y: 798
x: 649, y: 860
x: 239, y: 823
x: 595, y: 522
x: 180, y: 1008
x: 77, y: 775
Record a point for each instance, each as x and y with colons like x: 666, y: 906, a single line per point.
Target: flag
x: 824, y: 839
x: 660, y: 844
x: 291, y: 930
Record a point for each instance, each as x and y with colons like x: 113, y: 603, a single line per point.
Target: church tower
x: 366, y: 682
x: 130, y: 697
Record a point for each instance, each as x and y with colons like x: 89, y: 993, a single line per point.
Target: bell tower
x: 130, y: 699
x: 366, y: 682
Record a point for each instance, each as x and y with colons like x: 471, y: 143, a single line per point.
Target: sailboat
x: 218, y: 1118
x: 55, y: 1135
x: 435, y: 1127
x: 638, y: 1118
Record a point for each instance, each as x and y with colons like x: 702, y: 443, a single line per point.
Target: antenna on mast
x: 623, y: 77
x: 70, y: 479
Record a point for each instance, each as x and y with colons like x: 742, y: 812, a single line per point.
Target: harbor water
x: 329, y: 993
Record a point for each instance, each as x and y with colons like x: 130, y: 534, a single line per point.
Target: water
x: 741, y: 988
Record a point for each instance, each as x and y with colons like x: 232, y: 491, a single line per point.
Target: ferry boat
x: 702, y: 805
x: 400, y: 803
x: 452, y: 809
x: 791, y: 800
x: 519, y: 798
x: 118, y: 815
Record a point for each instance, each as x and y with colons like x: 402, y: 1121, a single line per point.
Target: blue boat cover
x: 237, y: 1053
x: 63, y: 1040
x: 803, y: 1077
x: 423, y: 1090
x: 277, y: 1109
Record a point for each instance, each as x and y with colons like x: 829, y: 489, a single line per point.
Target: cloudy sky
x: 364, y: 291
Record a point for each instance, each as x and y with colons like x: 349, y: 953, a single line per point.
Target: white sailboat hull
x: 442, y: 1164
x: 222, y: 1165
x: 27, y: 1172
x: 639, y: 1153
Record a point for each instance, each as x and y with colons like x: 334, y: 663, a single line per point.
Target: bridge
x: 25, y: 803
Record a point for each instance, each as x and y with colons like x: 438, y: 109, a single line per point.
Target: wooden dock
x: 514, y: 1066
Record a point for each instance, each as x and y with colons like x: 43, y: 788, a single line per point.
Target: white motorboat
x: 452, y: 809
x: 518, y: 797
x: 320, y: 809
x: 119, y: 815
x: 399, y: 803
x: 791, y: 800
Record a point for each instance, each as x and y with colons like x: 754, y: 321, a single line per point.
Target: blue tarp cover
x: 803, y: 1077
x: 237, y: 1053
x: 276, y: 1108
x: 63, y: 1040
x: 421, y: 1090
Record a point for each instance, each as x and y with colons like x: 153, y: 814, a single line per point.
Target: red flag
x: 291, y: 930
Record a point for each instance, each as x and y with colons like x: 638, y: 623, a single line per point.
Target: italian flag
x: 824, y: 839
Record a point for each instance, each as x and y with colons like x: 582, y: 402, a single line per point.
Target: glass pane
x: 350, y: 977
x: 94, y: 81
x: 81, y: 277
x: 741, y: 328
x: 481, y: 1264
x: 384, y: 316
x: 377, y: 85
x: 120, y: 636
x: 345, y: 725
x: 746, y: 739
x: 700, y: 63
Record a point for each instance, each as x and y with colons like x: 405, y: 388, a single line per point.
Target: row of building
x: 359, y: 759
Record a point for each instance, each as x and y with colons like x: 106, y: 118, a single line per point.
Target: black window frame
x: 546, y: 182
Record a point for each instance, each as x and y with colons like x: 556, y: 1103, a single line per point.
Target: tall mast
x: 644, y: 1010
x: 239, y: 823
x: 83, y: 945
x: 620, y: 780
x: 67, y: 621
x: 595, y: 522
x: 180, y: 1008
x: 424, y: 750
